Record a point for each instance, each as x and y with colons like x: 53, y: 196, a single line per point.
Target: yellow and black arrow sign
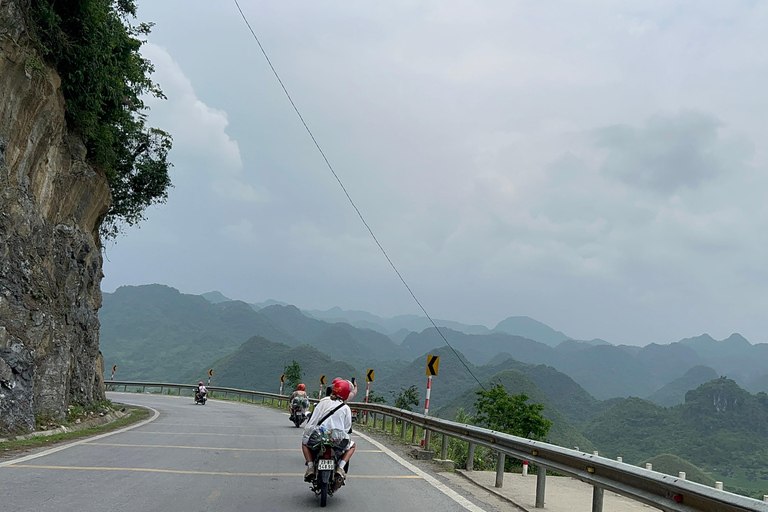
x: 369, y: 376
x: 433, y: 363
x: 114, y: 368
x: 322, y: 380
x: 210, y: 372
x: 282, y: 378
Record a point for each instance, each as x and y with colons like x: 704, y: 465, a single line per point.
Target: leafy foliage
x: 293, y: 374
x: 95, y: 49
x: 373, y: 398
x: 498, y: 410
x: 721, y: 428
x: 407, y: 397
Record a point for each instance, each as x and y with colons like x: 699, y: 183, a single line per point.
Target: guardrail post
x: 541, y: 483
x: 426, y: 434
x: 413, y: 434
x: 500, y: 470
x: 597, y: 499
x: 444, y: 451
x: 403, y: 425
x: 471, y: 457
x: 394, y: 423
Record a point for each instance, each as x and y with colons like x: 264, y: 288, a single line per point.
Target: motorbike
x: 327, y: 449
x: 199, y: 399
x: 299, y: 407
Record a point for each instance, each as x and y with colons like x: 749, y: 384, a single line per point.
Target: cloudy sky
x: 598, y: 165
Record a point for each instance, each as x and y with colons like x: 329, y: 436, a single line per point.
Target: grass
x: 9, y: 448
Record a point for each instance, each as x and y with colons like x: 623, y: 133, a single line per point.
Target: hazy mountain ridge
x: 154, y: 332
x: 562, y: 432
x: 721, y: 428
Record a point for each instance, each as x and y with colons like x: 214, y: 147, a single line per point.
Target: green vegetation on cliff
x: 721, y: 428
x: 95, y: 49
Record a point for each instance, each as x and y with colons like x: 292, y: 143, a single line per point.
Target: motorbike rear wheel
x: 323, y: 494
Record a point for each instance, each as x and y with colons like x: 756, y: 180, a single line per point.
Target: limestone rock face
x: 51, y: 202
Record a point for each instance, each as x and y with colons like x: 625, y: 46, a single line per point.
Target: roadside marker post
x: 210, y: 374
x: 114, y: 369
x: 433, y: 364
x: 282, y: 380
x: 322, y: 384
x: 368, y: 380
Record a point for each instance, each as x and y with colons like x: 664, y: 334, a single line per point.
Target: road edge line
x: 155, y: 415
x: 434, y: 482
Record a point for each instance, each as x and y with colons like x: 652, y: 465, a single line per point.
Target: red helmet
x: 301, y: 387
x: 341, y: 388
x: 201, y: 383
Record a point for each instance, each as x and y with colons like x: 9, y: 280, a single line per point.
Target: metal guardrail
x: 664, y: 492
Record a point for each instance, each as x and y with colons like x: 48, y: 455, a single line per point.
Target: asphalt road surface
x: 223, y: 456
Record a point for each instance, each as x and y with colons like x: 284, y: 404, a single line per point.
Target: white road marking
x: 155, y: 415
x: 434, y: 482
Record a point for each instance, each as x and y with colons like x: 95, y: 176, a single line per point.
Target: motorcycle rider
x: 300, y: 392
x: 340, y: 419
x: 201, y: 391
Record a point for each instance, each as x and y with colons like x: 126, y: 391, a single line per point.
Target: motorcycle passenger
x: 201, y: 391
x: 340, y: 419
x: 299, y: 393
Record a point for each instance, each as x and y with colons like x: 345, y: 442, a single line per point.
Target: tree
x: 498, y: 410
x: 95, y: 49
x: 293, y: 374
x: 373, y: 398
x: 406, y: 398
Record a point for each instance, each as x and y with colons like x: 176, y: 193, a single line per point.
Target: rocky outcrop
x: 51, y: 202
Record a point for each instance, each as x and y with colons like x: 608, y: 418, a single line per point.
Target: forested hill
x: 562, y: 432
x: 721, y: 428
x: 154, y: 332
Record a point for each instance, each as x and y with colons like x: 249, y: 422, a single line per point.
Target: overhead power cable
x: 359, y: 214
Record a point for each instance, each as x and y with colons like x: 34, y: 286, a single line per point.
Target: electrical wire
x: 359, y: 214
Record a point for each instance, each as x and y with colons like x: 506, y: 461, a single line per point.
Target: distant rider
x: 201, y: 391
x: 299, y: 393
x: 341, y: 419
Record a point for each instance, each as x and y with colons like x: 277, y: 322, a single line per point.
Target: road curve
x: 223, y: 456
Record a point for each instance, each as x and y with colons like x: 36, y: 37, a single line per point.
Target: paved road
x: 223, y: 456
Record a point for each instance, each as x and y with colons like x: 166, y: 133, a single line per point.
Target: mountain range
x: 690, y: 417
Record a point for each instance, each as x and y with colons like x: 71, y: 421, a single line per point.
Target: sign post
x: 433, y: 364
x: 322, y: 385
x: 210, y: 374
x: 114, y: 369
x: 368, y: 379
x: 282, y: 379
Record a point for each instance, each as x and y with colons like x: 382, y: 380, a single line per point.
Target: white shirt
x: 201, y: 389
x: 341, y: 419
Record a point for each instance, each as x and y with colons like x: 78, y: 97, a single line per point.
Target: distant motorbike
x: 199, y: 399
x: 327, y: 449
x: 299, y: 407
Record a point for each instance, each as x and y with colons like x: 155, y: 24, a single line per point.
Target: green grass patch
x: 10, y: 448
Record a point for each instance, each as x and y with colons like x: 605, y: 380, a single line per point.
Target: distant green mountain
x: 154, y: 332
x: 258, y: 363
x: 526, y: 327
x: 674, y: 392
x: 604, y: 371
x: 338, y: 340
x: 412, y: 323
x: 721, y: 428
x: 734, y: 356
x: 215, y: 297
x: 452, y: 378
x: 565, y: 394
x: 672, y: 465
x: 562, y: 432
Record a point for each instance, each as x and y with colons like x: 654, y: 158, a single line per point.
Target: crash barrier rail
x: 664, y: 492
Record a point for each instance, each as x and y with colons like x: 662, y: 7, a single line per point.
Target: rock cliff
x: 51, y: 203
